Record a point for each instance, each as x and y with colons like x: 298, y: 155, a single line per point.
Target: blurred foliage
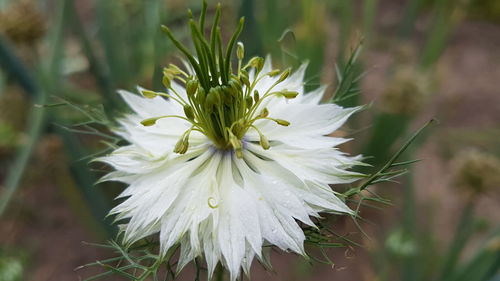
x: 485, y: 10
x: 12, y: 265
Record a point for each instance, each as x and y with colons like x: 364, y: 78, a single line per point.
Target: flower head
x: 223, y: 163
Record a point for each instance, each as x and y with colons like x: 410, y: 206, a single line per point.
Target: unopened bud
x: 149, y: 94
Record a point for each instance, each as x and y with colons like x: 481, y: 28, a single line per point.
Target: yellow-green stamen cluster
x: 219, y: 103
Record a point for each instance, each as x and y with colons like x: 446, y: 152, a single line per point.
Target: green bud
x: 284, y: 75
x: 289, y: 94
x: 150, y: 121
x: 149, y: 94
x: 191, y: 87
x: 256, y: 96
x: 282, y: 122
x: 188, y: 111
x: 264, y: 142
x: 240, y: 51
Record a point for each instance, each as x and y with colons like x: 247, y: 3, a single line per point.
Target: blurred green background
x: 420, y: 59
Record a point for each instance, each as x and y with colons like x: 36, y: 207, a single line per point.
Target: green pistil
x: 220, y: 104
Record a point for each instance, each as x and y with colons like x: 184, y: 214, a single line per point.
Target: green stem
x: 369, y: 15
x: 102, y: 76
x: 346, y: 14
x: 410, y: 15
x: 462, y: 234
x: 439, y: 34
x: 18, y: 168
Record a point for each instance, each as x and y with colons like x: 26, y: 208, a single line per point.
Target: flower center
x: 219, y: 103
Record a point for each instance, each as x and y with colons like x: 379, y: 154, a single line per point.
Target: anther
x: 150, y: 121
x: 284, y: 75
x: 289, y: 94
x: 274, y: 72
x: 188, y: 111
x: 191, y: 87
x: 256, y: 96
x: 149, y: 94
x: 282, y: 122
x: 264, y: 142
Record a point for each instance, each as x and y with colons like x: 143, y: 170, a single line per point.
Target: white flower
x: 225, y: 204
x: 229, y: 162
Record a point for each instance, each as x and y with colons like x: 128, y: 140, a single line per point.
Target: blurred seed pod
x: 405, y: 54
x: 400, y: 244
x: 476, y: 171
x: 406, y: 92
x: 23, y: 23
